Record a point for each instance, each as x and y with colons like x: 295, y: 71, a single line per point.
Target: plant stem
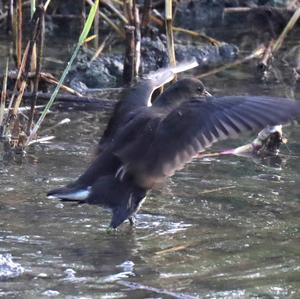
x: 83, y: 36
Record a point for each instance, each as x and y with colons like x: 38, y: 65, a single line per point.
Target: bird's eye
x: 200, y: 88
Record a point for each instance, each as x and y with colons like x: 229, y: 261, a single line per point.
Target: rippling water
x: 220, y: 228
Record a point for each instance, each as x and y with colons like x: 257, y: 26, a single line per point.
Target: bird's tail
x: 70, y: 193
x: 124, y: 198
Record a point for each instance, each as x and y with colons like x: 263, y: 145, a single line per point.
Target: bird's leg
x: 131, y: 220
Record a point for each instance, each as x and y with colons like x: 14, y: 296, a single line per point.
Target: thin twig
x: 217, y: 189
x: 256, y: 53
x: 46, y: 77
x: 3, y: 98
x: 102, y: 46
x: 211, y: 40
x: 171, y: 250
x: 114, y: 10
x: 113, y: 25
x: 138, y: 286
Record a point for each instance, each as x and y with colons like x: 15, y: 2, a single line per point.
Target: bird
x: 146, y: 142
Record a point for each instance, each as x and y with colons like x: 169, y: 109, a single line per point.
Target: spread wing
x: 169, y: 141
x: 139, y: 96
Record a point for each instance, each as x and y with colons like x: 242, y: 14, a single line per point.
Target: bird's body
x: 144, y: 144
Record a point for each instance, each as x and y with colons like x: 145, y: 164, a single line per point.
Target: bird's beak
x: 206, y: 93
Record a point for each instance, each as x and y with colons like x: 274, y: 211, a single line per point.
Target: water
x: 220, y: 228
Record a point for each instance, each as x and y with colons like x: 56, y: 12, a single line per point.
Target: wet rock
x: 101, y: 72
x: 202, y: 14
x: 154, y: 53
x: 208, y: 55
x: 107, y: 71
x: 197, y: 14
x: 253, y: 3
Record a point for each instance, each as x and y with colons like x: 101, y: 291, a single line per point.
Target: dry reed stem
x: 39, y: 46
x: 3, y: 97
x: 116, y: 11
x: 19, y: 33
x: 96, y: 29
x: 169, y: 32
x: 138, y: 40
x: 27, y: 60
x: 46, y: 5
x: 285, y: 31
x: 19, y: 98
x: 117, y: 29
x: 50, y: 79
x: 133, y: 42
x: 20, y: 71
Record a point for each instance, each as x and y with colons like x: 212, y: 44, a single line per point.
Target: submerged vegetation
x: 127, y: 23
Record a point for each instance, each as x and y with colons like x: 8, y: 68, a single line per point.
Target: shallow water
x: 220, y: 228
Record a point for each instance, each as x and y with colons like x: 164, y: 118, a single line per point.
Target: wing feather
x: 181, y: 134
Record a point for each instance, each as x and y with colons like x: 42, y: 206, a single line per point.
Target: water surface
x: 220, y: 228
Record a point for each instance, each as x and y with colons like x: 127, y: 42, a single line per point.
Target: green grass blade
x: 81, y: 40
x: 89, y: 22
x: 32, y: 7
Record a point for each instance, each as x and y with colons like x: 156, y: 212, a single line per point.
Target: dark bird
x: 144, y: 144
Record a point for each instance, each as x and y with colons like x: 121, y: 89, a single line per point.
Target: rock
x: 106, y: 71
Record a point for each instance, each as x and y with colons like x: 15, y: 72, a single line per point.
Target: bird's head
x: 181, y: 91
